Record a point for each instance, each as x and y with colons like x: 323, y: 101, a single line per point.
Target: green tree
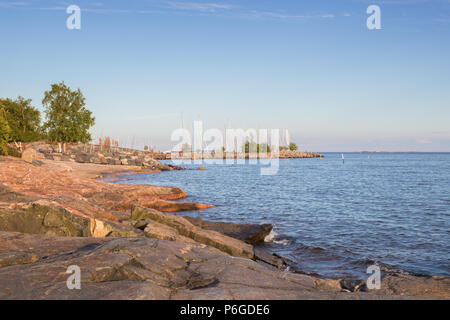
x: 293, y: 146
x: 253, y: 147
x: 23, y: 119
x: 250, y: 147
x: 5, y: 131
x: 67, y: 118
x: 263, y: 146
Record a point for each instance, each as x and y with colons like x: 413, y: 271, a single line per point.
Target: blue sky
x: 312, y: 67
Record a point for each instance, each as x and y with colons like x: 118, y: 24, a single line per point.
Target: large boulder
x: 29, y: 155
x: 154, y: 164
x: 251, y: 233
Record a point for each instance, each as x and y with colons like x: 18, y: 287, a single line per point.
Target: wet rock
x: 251, y: 233
x: 152, y: 163
x: 436, y: 287
x: 268, y: 258
x: 396, y: 284
x: 353, y: 285
x: 173, y: 167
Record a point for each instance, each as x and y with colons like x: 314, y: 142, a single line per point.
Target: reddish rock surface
x: 172, y: 206
x: 70, y: 185
x: 66, y: 217
x: 62, y: 199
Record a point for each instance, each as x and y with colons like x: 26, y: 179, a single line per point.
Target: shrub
x: 23, y: 119
x: 293, y: 146
x: 5, y: 132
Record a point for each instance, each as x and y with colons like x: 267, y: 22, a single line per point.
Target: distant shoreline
x: 386, y: 152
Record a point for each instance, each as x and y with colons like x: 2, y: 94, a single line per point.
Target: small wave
x: 384, y: 267
x: 283, y: 242
x: 272, y: 237
x: 311, y: 249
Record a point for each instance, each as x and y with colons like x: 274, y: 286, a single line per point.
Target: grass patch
x: 6, y: 150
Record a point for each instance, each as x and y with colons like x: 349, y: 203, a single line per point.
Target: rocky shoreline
x: 129, y: 244
x: 110, y: 155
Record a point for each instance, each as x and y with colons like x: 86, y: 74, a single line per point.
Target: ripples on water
x: 335, y: 219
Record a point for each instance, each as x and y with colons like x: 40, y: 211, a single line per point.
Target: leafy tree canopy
x: 293, y: 146
x: 253, y: 147
x: 5, y: 130
x: 23, y: 119
x: 4, y: 133
x: 67, y: 118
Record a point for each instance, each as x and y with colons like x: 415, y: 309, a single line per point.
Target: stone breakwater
x: 97, y: 154
x: 298, y: 154
x: 53, y: 214
x: 235, y: 155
